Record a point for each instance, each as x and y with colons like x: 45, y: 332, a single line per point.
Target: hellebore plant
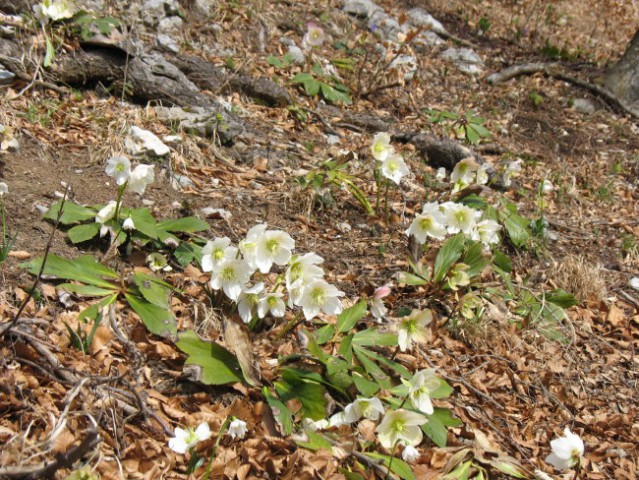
x: 186, y: 439
x: 566, y: 451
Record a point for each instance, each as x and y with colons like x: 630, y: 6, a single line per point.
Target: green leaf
x: 562, y: 298
x: 350, y: 475
x: 471, y: 135
x: 411, y: 279
x: 372, y: 368
x: 49, y: 53
x: 502, y: 261
x: 437, y: 426
x: 87, y: 290
x: 346, y: 348
x: 333, y: 95
x: 316, y: 441
x: 82, y: 233
x: 314, y: 348
x: 365, y: 386
x: 185, y: 225
x: 337, y: 373
x: 94, y: 310
x: 397, y: 466
x: 153, y: 289
x: 158, y: 320
x: 71, y: 213
x: 325, y: 333
x: 372, y: 336
x: 186, y: 253
x: 349, y: 317
x: 310, y: 395
x: 280, y: 411
x: 475, y: 259
x: 516, y: 226
x: 85, y: 269
x: 396, y: 367
x: 473, y: 201
x: 219, y: 366
x: 443, y: 391
x: 144, y: 221
x: 448, y: 254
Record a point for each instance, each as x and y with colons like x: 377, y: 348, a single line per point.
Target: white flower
x: 314, y: 36
x: 378, y: 309
x: 460, y: 218
x: 486, y: 231
x: 128, y: 224
x: 394, y: 168
x: 421, y: 386
x: 482, y: 174
x: 141, y: 176
x: 158, y: 262
x: 547, y: 186
x: 464, y: 171
x: 237, y: 429
x: 106, y: 213
x: 304, y: 267
x: 187, y: 438
x: 370, y: 408
x: 511, y: 169
x: 634, y: 283
x: 566, y: 451
x: 458, y: 276
x: 320, y: 296
x: 413, y: 328
x: 215, y: 251
x: 429, y: 223
x: 441, y: 174
x: 381, y: 147
x: 248, y: 300
x: 273, y: 303
x: 119, y: 168
x: 315, y: 425
x: 3, y: 189
x: 231, y: 275
x: 410, y: 454
x: 54, y: 10
x: 274, y: 247
x: 401, y: 425
x: 248, y: 246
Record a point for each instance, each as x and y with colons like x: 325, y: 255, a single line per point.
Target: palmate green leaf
x: 71, y: 213
x: 364, y: 386
x: 372, y: 336
x: 349, y: 317
x: 476, y: 259
x: 219, y: 366
x: 85, y: 269
x: 186, y: 252
x: 310, y: 395
x: 153, y: 289
x: 84, y: 232
x: 397, y: 466
x: 338, y: 374
x: 333, y: 95
x: 280, y: 411
x: 437, y: 426
x: 448, y: 254
x: 158, y: 320
x: 311, y: 84
x: 516, y: 227
x: 316, y: 441
x: 184, y: 225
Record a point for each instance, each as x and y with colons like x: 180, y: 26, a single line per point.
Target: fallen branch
x: 549, y: 69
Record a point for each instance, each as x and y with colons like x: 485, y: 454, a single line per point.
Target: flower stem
x: 289, y: 326
x: 118, y: 201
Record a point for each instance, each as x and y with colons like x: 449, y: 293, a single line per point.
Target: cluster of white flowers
x: 136, y: 180
x: 54, y: 10
x: 468, y: 172
x: 232, y: 270
x: 392, y: 164
x: 449, y: 218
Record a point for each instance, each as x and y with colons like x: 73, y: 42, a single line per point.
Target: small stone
x: 140, y: 142
x: 465, y: 59
x: 10, y: 144
x: 147, y: 202
x: 584, y: 105
x: 205, y: 7
x: 384, y: 24
x: 210, y: 212
x: 167, y: 43
x: 6, y: 77
x: 172, y: 139
x: 170, y: 25
x: 182, y: 181
x: 360, y: 8
x: 297, y: 55
x: 419, y: 17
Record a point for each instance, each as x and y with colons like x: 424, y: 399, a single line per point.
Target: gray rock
x: 6, y: 77
x: 584, y: 105
x: 204, y: 122
x: 360, y: 8
x: 96, y: 6
x: 141, y: 142
x: 418, y: 17
x: 465, y: 59
x: 155, y: 10
x: 425, y: 40
x: 406, y: 64
x: 167, y: 43
x: 297, y: 54
x: 205, y: 7
x: 180, y: 181
x: 384, y: 24
x: 170, y: 25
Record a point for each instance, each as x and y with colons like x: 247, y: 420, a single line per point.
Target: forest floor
x: 514, y: 389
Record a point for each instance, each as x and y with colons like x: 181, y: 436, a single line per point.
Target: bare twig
x: 16, y: 317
